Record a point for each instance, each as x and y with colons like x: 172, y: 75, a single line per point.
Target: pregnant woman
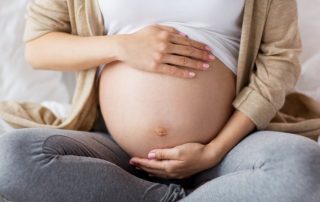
x: 171, y: 123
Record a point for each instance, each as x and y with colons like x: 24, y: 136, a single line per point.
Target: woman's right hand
x: 163, y: 49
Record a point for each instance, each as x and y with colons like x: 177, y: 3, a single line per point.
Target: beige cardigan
x: 268, y: 68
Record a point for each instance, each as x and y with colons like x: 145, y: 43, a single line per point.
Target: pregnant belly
x: 145, y: 111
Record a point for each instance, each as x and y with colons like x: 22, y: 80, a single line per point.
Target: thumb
x: 164, y: 154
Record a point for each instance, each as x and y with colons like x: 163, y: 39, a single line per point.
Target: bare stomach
x: 145, y: 111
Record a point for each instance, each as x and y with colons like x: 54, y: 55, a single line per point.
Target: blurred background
x: 18, y: 81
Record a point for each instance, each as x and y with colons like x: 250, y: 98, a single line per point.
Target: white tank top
x: 216, y: 23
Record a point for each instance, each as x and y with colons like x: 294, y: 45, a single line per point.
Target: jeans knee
x: 285, y: 146
x: 16, y: 156
x: 295, y: 159
x: 302, y: 168
x: 11, y: 145
x: 305, y: 158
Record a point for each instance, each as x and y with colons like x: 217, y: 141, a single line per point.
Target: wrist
x: 113, y: 52
x: 214, y: 152
x: 120, y: 43
x: 235, y: 129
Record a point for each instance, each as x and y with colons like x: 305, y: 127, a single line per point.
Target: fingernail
x: 208, y: 48
x: 192, y: 74
x: 212, y: 57
x: 151, y: 155
x: 206, y: 66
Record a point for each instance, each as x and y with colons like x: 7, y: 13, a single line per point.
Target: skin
x: 185, y: 160
x: 66, y: 52
x: 161, y: 111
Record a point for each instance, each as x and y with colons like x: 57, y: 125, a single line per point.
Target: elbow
x: 32, y: 56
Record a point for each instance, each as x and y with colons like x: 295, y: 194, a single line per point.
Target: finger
x: 165, y: 154
x: 174, y: 71
x: 169, y: 29
x: 185, y: 62
x: 178, y: 39
x: 152, y: 170
x: 159, y: 176
x: 190, y: 51
x: 154, y: 164
x: 157, y: 172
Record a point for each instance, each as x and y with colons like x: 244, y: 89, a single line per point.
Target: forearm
x: 66, y: 52
x: 238, y: 127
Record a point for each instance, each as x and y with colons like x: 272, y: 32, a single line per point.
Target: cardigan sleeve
x: 277, y: 67
x: 44, y: 16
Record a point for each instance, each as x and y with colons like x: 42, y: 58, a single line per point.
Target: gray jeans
x: 58, y: 165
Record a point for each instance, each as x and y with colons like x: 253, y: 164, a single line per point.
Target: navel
x: 160, y: 131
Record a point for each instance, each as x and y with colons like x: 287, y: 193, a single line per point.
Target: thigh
x: 265, y: 166
x: 262, y: 150
x: 62, y: 165
x: 59, y: 142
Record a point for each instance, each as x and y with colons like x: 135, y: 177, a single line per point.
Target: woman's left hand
x: 178, y: 162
